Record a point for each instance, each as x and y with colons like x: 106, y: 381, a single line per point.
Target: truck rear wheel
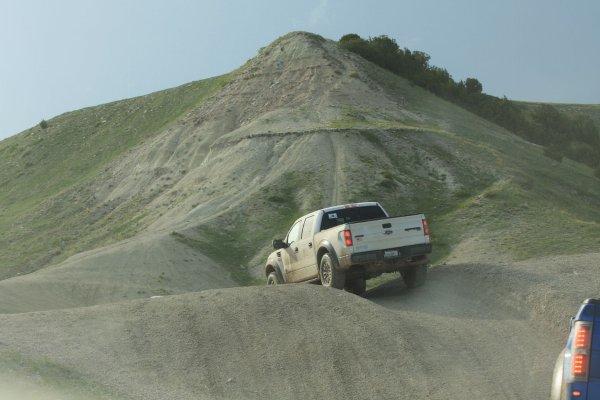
x: 357, y: 286
x: 330, y: 274
x: 414, y: 276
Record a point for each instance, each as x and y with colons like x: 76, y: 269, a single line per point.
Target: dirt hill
x: 179, y: 194
x: 142, y: 267
x: 475, y: 330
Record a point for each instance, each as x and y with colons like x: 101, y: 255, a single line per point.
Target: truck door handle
x: 416, y: 228
x: 309, y: 244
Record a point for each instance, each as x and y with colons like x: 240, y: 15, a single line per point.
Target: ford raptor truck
x: 343, y: 246
x: 577, y: 369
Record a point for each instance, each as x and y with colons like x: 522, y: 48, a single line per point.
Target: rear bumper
x: 381, y: 261
x: 588, y: 390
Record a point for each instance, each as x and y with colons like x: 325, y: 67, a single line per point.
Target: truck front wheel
x: 273, y: 279
x: 331, y: 276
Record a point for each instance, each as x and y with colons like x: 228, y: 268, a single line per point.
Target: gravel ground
x: 473, y: 331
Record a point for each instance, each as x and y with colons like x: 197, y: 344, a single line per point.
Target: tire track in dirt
x: 335, y: 184
x: 472, y: 344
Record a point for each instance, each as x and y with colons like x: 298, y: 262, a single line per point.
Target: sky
x: 63, y: 55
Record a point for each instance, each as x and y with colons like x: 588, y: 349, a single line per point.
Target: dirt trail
x: 336, y: 172
x: 471, y: 344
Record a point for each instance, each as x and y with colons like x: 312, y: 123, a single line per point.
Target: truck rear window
x: 352, y: 214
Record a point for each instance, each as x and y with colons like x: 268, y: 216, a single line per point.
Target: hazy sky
x: 63, y: 55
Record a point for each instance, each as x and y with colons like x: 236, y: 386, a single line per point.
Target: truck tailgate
x: 594, y: 375
x: 389, y: 233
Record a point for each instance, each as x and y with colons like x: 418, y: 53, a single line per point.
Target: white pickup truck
x: 345, y: 245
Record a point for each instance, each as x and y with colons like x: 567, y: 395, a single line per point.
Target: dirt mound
x: 469, y: 332
x: 299, y: 341
x: 147, y: 266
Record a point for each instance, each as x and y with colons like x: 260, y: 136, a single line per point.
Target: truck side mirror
x: 279, y: 244
x: 571, y: 323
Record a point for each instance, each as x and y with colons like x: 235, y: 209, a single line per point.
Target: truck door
x: 305, y: 264
x: 290, y: 254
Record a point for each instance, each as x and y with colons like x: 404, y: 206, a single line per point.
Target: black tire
x: 273, y: 279
x: 330, y: 274
x: 357, y: 286
x: 414, y: 276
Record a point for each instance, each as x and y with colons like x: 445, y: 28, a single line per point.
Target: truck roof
x: 592, y: 301
x: 342, y: 206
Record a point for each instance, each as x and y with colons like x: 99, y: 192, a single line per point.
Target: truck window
x: 292, y: 235
x: 307, y: 229
x: 352, y: 214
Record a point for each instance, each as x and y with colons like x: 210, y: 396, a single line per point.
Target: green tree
x: 386, y: 53
x: 358, y: 45
x: 472, y: 85
x: 349, y: 37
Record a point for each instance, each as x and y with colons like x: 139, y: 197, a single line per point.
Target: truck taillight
x: 425, y: 227
x: 582, y: 337
x: 580, y: 362
x: 580, y: 356
x: 348, y: 237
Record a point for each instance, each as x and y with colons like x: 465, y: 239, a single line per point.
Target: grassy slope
x: 590, y: 110
x: 509, y: 195
x: 43, y: 171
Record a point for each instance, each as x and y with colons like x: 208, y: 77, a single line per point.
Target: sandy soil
x: 473, y: 331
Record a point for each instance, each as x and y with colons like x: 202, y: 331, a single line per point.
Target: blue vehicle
x: 577, y: 369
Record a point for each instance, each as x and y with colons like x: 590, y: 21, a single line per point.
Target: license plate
x: 390, y: 253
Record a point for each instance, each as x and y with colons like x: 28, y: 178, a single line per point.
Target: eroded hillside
x: 223, y: 166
